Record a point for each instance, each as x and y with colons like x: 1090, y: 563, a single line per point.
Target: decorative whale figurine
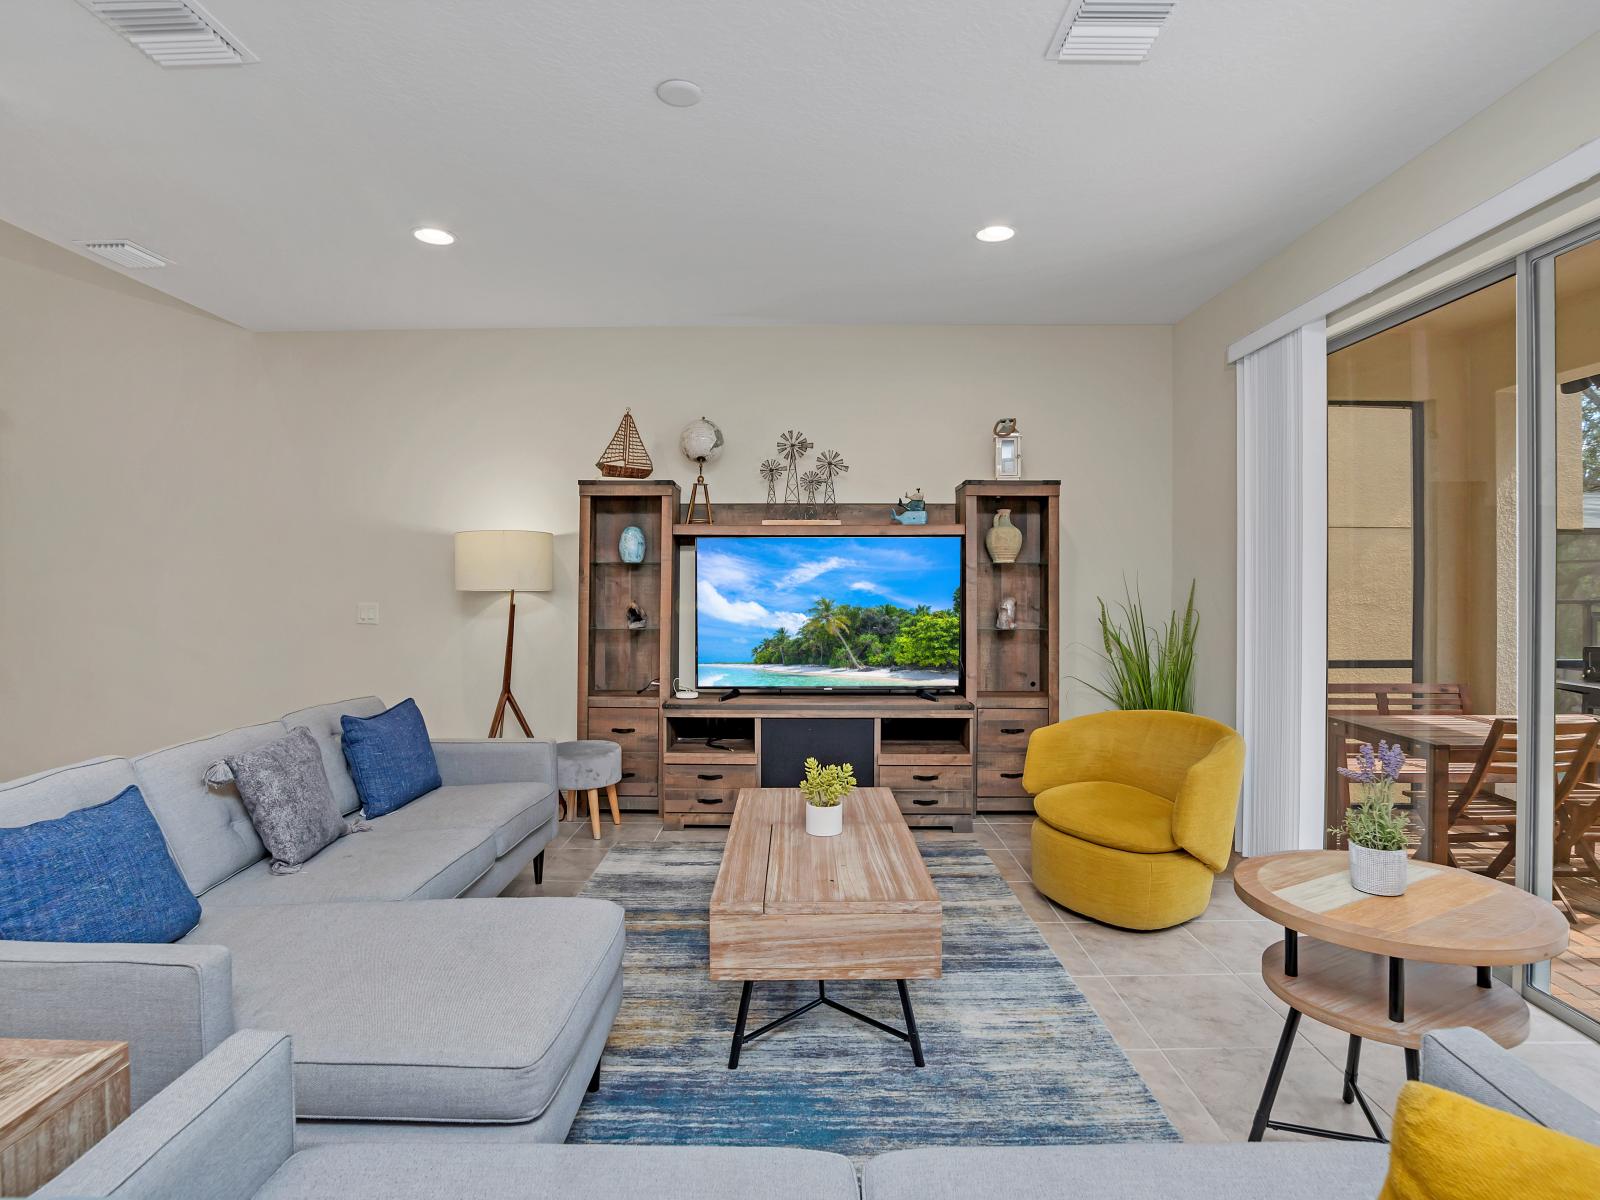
x: 911, y: 509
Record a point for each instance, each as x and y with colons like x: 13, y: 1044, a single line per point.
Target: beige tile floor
x: 1187, y: 1005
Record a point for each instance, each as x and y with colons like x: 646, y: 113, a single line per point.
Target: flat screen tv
x: 875, y: 613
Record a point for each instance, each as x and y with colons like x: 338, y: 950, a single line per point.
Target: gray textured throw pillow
x: 285, y: 790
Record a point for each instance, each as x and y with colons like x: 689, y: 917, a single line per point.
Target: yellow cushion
x: 1447, y: 1147
x: 1109, y: 814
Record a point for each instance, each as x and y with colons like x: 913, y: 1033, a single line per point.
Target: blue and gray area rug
x: 1016, y: 1055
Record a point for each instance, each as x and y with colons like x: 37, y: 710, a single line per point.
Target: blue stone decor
x: 1016, y: 1055
x: 631, y: 545
x: 100, y: 874
x: 390, y: 758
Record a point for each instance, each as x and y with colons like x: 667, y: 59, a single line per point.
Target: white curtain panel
x: 1282, y: 589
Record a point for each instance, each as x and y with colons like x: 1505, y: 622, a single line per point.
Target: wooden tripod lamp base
x: 510, y: 561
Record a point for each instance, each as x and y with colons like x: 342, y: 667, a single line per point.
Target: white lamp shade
x: 504, y: 560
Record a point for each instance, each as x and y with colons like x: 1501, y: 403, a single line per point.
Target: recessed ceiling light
x: 996, y: 233
x: 679, y: 93
x: 434, y: 237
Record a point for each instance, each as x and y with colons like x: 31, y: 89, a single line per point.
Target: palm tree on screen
x: 835, y: 624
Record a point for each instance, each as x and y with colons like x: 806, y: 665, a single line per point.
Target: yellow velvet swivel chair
x: 1135, y: 813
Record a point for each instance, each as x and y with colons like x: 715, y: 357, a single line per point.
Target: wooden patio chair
x: 1493, y: 817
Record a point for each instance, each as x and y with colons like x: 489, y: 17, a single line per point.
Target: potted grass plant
x: 1376, y: 834
x: 825, y: 789
x: 1147, y: 667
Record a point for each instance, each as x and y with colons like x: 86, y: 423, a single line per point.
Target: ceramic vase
x: 824, y: 822
x: 1377, y: 872
x: 631, y: 545
x: 1004, y: 539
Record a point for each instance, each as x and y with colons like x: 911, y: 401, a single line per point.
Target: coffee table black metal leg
x: 738, y: 1026
x: 1280, y: 1060
x: 1413, y: 1064
x: 912, y: 1035
x: 1352, y: 1068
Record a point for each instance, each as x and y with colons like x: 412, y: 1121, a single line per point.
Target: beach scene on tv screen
x: 828, y: 612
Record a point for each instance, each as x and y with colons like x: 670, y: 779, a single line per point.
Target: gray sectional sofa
x: 225, y: 1131
x: 413, y: 1012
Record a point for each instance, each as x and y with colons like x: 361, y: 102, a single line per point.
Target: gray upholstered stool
x: 586, y: 767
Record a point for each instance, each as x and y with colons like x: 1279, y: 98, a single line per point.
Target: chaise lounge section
x: 412, y: 1010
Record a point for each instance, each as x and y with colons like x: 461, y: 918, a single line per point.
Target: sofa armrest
x: 172, y: 1004
x: 1207, y: 803
x: 220, y: 1130
x: 494, y: 760
x: 1471, y: 1064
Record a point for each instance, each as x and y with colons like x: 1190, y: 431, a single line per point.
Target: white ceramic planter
x: 824, y: 822
x: 1377, y: 872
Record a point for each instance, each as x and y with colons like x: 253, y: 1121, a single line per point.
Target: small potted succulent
x: 1375, y: 832
x: 825, y: 788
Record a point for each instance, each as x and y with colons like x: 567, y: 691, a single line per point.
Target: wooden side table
x: 1452, y: 926
x: 57, y: 1099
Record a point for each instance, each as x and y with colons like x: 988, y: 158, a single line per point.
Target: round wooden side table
x: 1451, y: 925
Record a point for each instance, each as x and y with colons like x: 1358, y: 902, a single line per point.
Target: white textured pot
x: 1377, y: 872
x: 824, y: 822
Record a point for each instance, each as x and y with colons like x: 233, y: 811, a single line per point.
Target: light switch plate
x: 367, y: 612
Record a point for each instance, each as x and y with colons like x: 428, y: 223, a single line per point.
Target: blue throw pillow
x: 390, y: 758
x: 101, y: 874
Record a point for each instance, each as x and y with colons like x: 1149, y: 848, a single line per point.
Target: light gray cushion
x: 376, y: 865
x: 217, y: 1133
x: 1268, y: 1171
x: 1470, y: 1063
x: 323, y: 722
x: 285, y: 791
x: 587, y: 766
x: 428, y: 1172
x: 451, y: 1010
x: 509, y: 811
x: 206, y: 825
x: 55, y: 793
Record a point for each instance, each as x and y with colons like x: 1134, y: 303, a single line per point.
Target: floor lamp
x: 510, y: 561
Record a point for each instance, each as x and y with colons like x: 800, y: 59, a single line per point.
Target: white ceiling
x: 844, y: 154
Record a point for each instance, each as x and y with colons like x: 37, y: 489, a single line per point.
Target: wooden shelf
x: 733, y: 751
x: 914, y: 754
x: 834, y: 704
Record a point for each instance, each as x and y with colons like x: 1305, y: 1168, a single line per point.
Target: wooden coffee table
x: 1452, y: 925
x: 791, y: 906
x: 57, y: 1099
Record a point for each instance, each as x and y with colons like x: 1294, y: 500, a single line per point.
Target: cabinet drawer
x: 1002, y: 729
x: 925, y: 778
x: 715, y: 776
x: 635, y: 730
x: 1001, y: 775
x: 705, y: 799
x: 933, y: 802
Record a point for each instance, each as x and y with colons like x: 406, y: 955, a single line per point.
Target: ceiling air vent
x: 1110, y: 31
x: 125, y: 254
x: 176, y: 33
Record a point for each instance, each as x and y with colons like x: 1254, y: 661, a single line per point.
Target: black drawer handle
x: 709, y: 778
x: 924, y: 778
x: 1010, y: 774
x: 924, y: 803
x: 1017, y: 730
x: 627, y: 774
x: 630, y: 729
x: 708, y: 800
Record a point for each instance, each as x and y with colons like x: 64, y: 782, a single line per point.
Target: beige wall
x: 189, y: 513
x: 1550, y: 115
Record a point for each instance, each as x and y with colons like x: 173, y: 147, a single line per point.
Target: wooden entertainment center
x: 946, y: 759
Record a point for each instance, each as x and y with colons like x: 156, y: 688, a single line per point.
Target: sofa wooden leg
x: 594, y: 813
x: 611, y: 794
x: 594, y: 1080
x: 538, y: 867
x: 569, y: 806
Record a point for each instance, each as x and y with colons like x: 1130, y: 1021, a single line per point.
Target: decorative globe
x: 700, y: 440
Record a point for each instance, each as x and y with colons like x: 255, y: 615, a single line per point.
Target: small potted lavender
x: 1375, y: 832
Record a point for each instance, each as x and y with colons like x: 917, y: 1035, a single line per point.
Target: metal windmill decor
x: 810, y: 481
x: 830, y: 465
x: 771, y: 472
x: 792, y: 447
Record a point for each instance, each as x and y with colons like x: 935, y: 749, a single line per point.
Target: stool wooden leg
x: 611, y: 794
x: 594, y: 813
